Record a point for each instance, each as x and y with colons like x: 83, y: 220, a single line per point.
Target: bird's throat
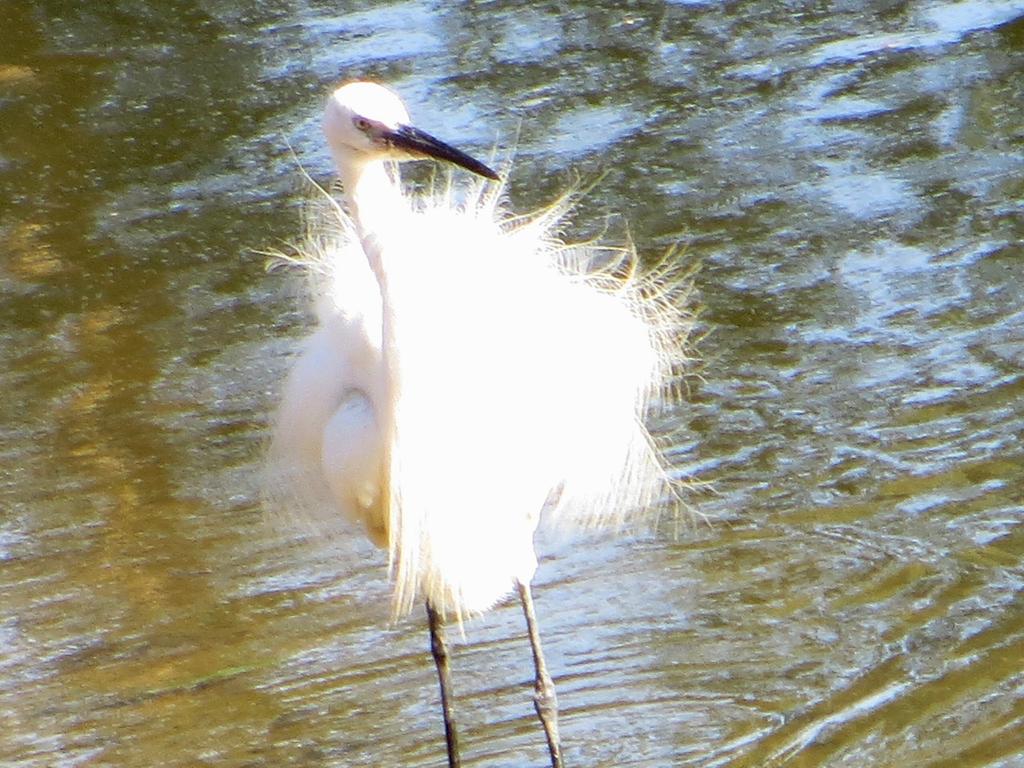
x: 374, y: 202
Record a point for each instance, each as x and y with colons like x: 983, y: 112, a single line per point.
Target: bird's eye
x: 361, y: 123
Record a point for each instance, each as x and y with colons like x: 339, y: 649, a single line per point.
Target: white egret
x: 468, y: 372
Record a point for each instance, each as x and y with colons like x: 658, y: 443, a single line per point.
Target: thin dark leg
x: 544, y: 690
x: 440, y: 651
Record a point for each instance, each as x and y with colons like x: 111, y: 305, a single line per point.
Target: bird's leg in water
x: 440, y: 651
x: 544, y: 690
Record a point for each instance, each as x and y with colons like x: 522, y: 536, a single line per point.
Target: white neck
x: 375, y: 203
x: 373, y: 199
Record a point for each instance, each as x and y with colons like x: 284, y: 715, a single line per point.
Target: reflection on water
x: 851, y: 179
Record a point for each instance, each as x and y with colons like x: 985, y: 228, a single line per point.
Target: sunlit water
x: 851, y: 179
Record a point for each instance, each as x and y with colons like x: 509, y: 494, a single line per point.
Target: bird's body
x: 468, y: 371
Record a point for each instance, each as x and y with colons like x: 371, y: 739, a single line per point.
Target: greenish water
x: 850, y: 175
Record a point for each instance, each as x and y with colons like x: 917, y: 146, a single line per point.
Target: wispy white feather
x: 526, y: 370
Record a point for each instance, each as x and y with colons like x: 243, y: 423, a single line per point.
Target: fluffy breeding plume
x: 527, y: 371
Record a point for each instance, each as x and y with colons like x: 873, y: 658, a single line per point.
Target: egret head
x: 365, y: 121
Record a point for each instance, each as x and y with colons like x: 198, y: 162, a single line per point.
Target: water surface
x: 849, y: 175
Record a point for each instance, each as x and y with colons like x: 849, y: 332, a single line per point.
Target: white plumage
x: 468, y: 370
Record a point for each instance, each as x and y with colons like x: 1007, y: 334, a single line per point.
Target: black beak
x: 421, y: 144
